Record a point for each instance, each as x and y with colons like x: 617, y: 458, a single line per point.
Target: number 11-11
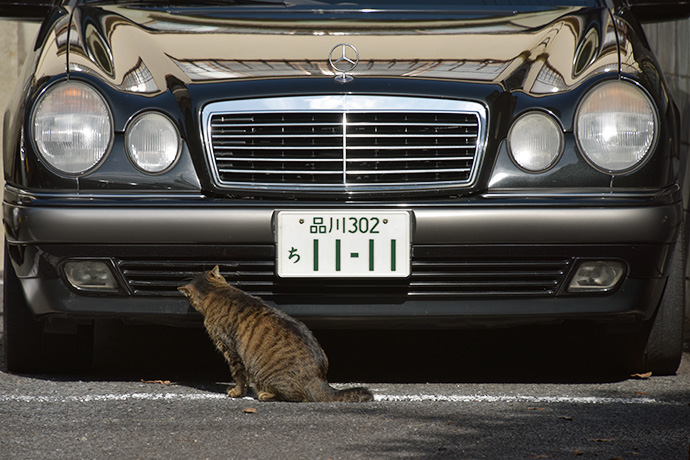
x: 356, y: 255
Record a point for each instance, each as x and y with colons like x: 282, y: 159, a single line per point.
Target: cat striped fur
x: 265, y: 347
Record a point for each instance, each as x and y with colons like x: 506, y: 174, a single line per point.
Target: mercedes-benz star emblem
x: 343, y: 58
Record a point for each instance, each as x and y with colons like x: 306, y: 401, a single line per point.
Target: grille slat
x: 485, y: 283
x: 283, y: 172
x: 271, y: 136
x: 388, y: 141
x: 409, y: 135
x: 222, y: 124
x: 405, y: 148
x: 282, y: 147
x: 409, y: 171
x: 284, y: 160
x: 413, y: 124
x: 497, y: 274
x: 353, y: 160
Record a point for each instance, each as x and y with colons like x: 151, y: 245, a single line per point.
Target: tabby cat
x: 265, y: 347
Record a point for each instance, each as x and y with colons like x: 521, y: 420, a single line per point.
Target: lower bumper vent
x: 436, y: 273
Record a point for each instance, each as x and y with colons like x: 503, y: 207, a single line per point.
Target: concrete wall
x: 8, y: 73
x: 671, y: 44
x: 15, y: 40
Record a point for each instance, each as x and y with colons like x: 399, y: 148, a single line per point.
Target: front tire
x: 28, y: 349
x: 659, y: 345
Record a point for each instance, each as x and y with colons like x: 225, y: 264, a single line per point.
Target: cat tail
x: 356, y: 394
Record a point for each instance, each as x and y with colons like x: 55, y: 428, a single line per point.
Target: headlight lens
x: 616, y: 126
x: 153, y: 142
x: 535, y: 141
x: 72, y: 127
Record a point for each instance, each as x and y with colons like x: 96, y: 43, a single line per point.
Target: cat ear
x: 215, y: 274
x: 188, y: 290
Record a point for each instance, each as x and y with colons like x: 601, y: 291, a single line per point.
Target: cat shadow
x: 219, y: 388
x: 206, y: 387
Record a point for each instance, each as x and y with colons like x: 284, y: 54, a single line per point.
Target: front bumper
x: 501, y: 259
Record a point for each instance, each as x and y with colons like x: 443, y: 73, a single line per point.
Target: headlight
x: 535, y: 141
x: 153, y: 143
x: 72, y: 127
x: 616, y: 126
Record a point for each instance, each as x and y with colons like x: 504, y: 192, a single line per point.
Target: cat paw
x: 236, y: 392
x: 266, y: 396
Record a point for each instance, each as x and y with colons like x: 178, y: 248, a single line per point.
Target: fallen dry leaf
x: 249, y: 410
x: 578, y: 452
x: 646, y: 375
x: 601, y: 440
x: 159, y: 382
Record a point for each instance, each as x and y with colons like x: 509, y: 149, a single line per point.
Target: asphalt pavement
x: 158, y: 393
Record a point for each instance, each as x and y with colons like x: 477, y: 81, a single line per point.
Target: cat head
x: 201, y: 286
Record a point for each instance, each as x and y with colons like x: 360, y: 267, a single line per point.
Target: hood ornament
x: 343, y: 58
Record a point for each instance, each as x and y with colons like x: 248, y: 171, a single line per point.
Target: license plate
x: 346, y: 244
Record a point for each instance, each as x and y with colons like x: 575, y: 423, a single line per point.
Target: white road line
x: 516, y: 399
x: 89, y: 398
x: 112, y: 397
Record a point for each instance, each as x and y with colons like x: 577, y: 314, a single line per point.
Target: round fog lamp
x: 596, y: 276
x: 90, y: 275
x: 153, y: 143
x: 535, y: 141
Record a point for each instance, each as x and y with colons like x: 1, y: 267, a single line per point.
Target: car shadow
x: 517, y: 355
x: 553, y: 354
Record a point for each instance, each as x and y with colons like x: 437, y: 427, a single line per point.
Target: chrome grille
x: 352, y: 143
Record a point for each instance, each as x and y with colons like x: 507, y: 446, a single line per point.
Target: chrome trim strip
x: 344, y: 155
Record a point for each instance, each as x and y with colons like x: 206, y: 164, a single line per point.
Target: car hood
x: 136, y: 48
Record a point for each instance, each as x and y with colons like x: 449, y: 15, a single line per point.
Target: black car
x: 378, y: 163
